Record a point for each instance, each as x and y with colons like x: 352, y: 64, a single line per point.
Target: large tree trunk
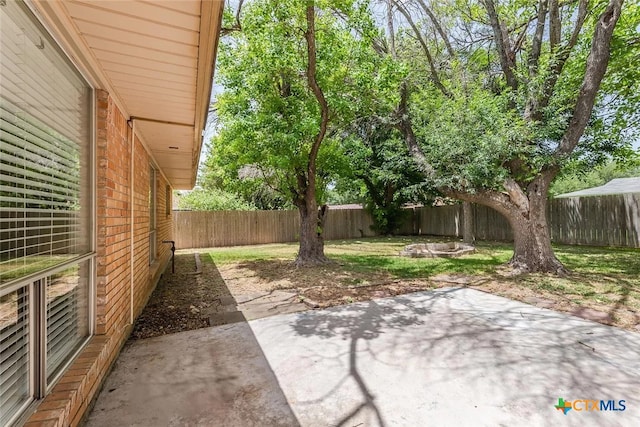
x: 311, y: 251
x: 526, y: 212
x: 467, y: 223
x: 532, y: 251
x: 525, y: 208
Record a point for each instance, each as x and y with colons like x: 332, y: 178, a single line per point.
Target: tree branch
x: 434, y: 72
x: 539, y: 101
x: 494, y: 199
x: 310, y: 36
x: 555, y: 27
x: 236, y: 25
x: 392, y: 36
x: 438, y: 27
x: 405, y: 127
x: 503, y: 45
x: 582, y: 15
x: 372, y: 188
x: 597, y: 63
x: 536, y: 46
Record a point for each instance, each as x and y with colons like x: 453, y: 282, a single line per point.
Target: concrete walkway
x: 449, y: 357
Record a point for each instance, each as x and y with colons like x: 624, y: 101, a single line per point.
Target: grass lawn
x: 604, y: 282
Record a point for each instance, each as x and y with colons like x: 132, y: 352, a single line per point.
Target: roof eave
x: 210, y: 22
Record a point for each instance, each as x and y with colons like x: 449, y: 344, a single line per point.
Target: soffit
x: 157, y: 59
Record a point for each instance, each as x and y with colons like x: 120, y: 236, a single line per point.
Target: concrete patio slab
x: 448, y: 357
x: 267, y: 304
x: 205, y: 377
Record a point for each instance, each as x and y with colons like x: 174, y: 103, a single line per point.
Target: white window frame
x: 153, y: 213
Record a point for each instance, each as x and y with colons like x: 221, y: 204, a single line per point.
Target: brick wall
x: 164, y: 219
x: 141, y: 223
x: 113, y: 217
x: 68, y: 402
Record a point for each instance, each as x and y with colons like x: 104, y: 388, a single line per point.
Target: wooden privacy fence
x: 234, y: 228
x: 598, y: 221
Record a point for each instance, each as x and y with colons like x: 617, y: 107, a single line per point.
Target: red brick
x: 54, y: 414
x: 44, y: 423
x: 70, y: 379
x: 53, y: 404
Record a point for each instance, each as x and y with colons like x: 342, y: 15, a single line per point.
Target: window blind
x: 67, y: 326
x: 45, y: 115
x: 14, y: 353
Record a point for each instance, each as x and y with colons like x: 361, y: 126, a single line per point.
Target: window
x: 152, y: 214
x: 67, y: 314
x: 46, y: 210
x: 167, y: 200
x: 14, y: 348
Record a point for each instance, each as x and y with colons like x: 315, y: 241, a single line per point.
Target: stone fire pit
x: 437, y: 250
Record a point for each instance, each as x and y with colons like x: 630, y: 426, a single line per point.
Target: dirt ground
x: 331, y: 285
x: 322, y: 286
x: 182, y: 300
x: 185, y: 300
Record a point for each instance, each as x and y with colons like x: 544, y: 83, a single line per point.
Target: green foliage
x: 615, y: 121
x: 383, y: 172
x: 345, y: 191
x: 387, y: 219
x: 477, y: 134
x: 212, y: 200
x: 622, y: 84
x: 268, y: 116
x: 470, y: 137
x: 475, y: 137
x: 218, y: 172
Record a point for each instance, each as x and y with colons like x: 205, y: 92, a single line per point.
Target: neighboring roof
x: 347, y: 206
x: 615, y: 186
x: 156, y: 60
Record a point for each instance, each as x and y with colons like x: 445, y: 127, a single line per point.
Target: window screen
x: 45, y: 114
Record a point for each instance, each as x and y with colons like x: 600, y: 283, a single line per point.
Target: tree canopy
x: 490, y: 99
x: 268, y: 116
x: 502, y: 95
x: 201, y: 199
x: 291, y: 77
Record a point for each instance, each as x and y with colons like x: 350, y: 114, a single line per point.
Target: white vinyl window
x: 153, y: 203
x: 46, y: 210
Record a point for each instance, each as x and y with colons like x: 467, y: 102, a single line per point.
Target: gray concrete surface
x: 449, y: 357
x: 265, y: 304
x: 206, y: 377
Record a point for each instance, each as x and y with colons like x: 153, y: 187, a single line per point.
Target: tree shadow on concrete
x: 513, y: 360
x: 372, y: 317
